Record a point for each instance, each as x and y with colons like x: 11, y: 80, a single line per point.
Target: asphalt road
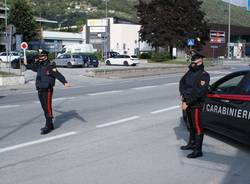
x: 111, y: 132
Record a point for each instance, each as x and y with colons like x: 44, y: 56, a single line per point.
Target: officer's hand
x: 67, y: 85
x: 184, y: 106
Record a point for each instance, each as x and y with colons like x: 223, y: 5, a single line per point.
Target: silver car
x: 68, y: 60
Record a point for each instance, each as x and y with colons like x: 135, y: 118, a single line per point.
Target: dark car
x: 30, y: 55
x: 227, y: 107
x: 89, y: 60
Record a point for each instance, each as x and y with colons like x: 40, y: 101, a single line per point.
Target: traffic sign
x: 24, y: 45
x: 214, y: 46
x: 217, y: 36
x: 248, y: 5
x: 190, y: 42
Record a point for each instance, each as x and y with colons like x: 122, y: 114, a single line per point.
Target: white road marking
x: 9, y: 106
x: 218, y: 77
x: 164, y: 110
x: 102, y: 84
x: 60, y: 99
x: 144, y: 87
x: 171, y: 84
x: 117, y: 122
x: 104, y: 93
x: 18, y: 146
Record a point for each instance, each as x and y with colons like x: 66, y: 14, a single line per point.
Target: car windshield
x: 77, y: 56
x: 93, y: 57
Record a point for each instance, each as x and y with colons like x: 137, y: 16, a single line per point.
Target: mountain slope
x: 73, y: 12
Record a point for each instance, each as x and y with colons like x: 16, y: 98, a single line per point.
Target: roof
x: 54, y: 35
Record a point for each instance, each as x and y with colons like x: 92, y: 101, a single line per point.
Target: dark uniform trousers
x: 196, y: 129
x: 45, y: 97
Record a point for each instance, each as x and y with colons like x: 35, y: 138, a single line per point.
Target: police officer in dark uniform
x: 45, y: 81
x: 193, y: 89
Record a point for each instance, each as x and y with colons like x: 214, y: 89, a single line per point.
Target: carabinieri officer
x: 193, y: 89
x: 45, y: 81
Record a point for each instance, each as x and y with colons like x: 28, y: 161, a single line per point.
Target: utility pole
x: 106, y: 36
x: 229, y: 29
x: 6, y: 32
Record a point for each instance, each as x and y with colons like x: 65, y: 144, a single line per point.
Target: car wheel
x: 53, y: 63
x: 125, y: 63
x: 95, y: 66
x: 69, y: 65
x: 14, y: 65
x: 85, y: 65
x: 108, y: 62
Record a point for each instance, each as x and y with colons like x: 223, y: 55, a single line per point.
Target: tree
x: 171, y: 22
x: 21, y: 15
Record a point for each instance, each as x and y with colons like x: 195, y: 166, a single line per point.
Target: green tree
x: 171, y: 22
x: 21, y: 15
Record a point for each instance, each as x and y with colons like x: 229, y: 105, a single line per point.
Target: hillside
x: 75, y: 12
x: 217, y: 12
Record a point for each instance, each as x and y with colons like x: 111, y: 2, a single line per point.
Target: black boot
x: 191, y: 142
x: 198, y: 147
x: 48, y: 127
x: 189, y: 146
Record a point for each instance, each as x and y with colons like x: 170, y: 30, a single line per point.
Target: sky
x: 238, y: 2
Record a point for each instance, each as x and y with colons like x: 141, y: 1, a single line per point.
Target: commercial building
x: 54, y: 41
x: 217, y: 45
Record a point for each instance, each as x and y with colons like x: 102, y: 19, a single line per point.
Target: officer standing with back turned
x: 193, y: 89
x: 45, y: 81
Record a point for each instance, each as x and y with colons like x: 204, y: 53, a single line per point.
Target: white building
x: 124, y: 37
x: 114, y: 34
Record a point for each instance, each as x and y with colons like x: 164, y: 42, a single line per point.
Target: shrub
x: 160, y: 57
x: 146, y: 55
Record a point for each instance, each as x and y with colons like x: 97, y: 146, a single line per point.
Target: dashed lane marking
x: 9, y: 106
x: 117, y: 122
x: 104, y: 93
x: 144, y: 87
x: 40, y: 141
x: 164, y: 110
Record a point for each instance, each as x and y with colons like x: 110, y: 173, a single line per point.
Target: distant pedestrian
x: 193, y: 89
x: 45, y: 81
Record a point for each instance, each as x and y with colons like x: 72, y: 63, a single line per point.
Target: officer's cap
x: 197, y: 56
x: 43, y: 53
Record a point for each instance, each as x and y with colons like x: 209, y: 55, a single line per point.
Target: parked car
x: 11, y: 57
x: 30, y: 55
x: 227, y: 107
x: 89, y: 60
x: 125, y: 60
x: 68, y: 60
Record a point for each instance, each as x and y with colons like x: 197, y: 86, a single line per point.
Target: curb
x: 141, y: 72
x: 11, y: 81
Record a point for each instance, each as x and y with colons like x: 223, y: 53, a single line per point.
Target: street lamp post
x: 106, y: 35
x: 229, y: 29
x: 6, y: 32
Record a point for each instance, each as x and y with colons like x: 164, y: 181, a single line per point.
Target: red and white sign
x: 24, y: 45
x: 217, y: 36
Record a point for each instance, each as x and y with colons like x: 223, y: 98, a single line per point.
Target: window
x: 230, y: 86
x: 245, y: 85
x: 77, y: 56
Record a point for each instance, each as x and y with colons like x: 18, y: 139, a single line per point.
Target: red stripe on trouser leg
x: 49, y: 103
x: 196, y: 117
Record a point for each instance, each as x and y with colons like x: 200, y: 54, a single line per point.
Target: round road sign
x: 24, y: 45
